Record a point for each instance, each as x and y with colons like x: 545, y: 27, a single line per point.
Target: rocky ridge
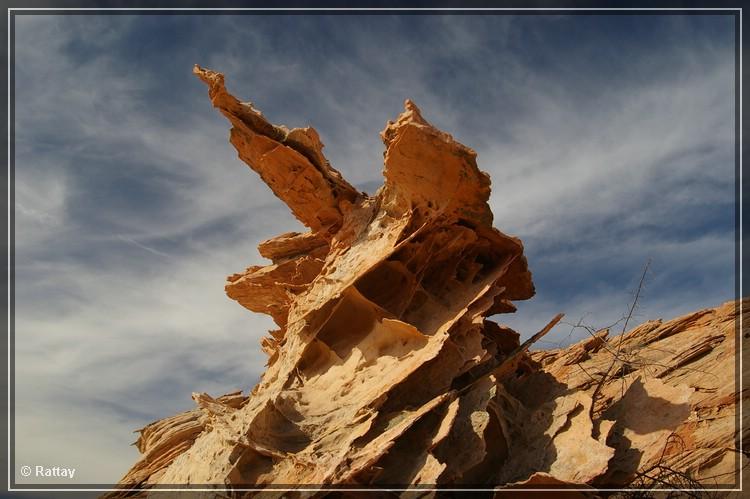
x: 386, y: 371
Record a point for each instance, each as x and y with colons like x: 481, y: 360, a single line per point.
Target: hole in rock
x: 389, y: 285
x: 274, y: 430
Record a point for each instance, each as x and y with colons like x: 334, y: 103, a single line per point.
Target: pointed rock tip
x: 412, y: 113
x: 206, y: 75
x: 410, y: 106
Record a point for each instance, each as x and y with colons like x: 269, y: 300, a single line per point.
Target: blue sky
x: 609, y: 139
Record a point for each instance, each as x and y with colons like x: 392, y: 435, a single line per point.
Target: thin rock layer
x: 386, y: 370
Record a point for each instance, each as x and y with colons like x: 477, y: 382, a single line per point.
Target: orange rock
x: 385, y: 369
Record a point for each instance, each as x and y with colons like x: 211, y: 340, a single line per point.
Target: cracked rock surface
x: 386, y: 371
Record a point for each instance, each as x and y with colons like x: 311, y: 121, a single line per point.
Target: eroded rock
x: 386, y: 370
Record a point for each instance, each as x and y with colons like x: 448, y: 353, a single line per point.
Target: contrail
x: 143, y: 246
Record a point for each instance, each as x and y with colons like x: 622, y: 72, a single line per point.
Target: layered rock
x: 658, y: 403
x: 386, y: 370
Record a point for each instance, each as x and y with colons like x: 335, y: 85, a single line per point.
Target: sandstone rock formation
x: 385, y: 370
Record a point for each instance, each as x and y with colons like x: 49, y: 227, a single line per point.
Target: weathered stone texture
x: 386, y: 369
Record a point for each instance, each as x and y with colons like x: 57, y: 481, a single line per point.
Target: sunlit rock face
x: 385, y: 369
